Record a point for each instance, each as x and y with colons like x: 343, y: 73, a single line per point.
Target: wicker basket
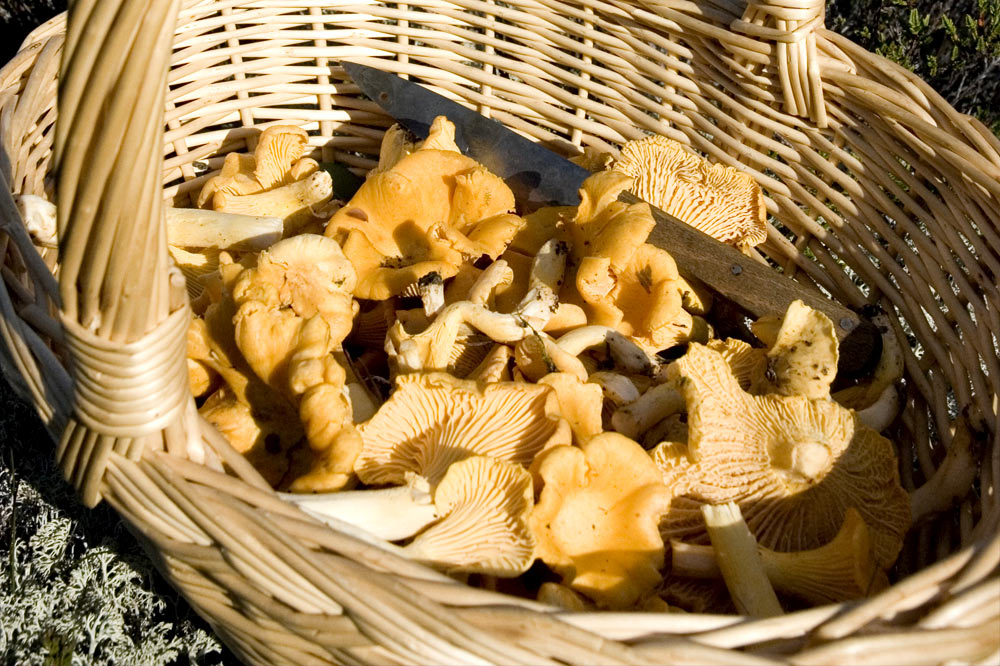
x: 881, y: 194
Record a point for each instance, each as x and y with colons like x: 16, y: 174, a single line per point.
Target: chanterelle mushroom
x: 837, y: 571
x: 596, y: 519
x: 433, y: 420
x: 295, y: 279
x: 272, y: 164
x: 485, y: 503
x: 624, y: 282
x: 718, y: 200
x: 801, y: 358
x: 294, y: 309
x: 793, y: 465
x: 431, y: 211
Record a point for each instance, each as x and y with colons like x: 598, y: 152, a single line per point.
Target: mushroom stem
x: 431, y: 349
x: 653, y: 406
x: 883, y: 411
x: 626, y: 354
x: 430, y: 287
x: 841, y: 570
x: 740, y: 561
x: 549, y: 266
x: 198, y: 227
x: 952, y: 480
x: 389, y: 513
x: 618, y: 389
x: 290, y: 202
x: 186, y: 227
x: 493, y: 368
x: 496, y: 274
x: 538, y: 354
x: 538, y: 306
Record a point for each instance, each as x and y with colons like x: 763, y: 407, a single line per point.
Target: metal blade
x: 534, y: 173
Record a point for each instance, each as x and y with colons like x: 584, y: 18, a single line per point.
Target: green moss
x: 954, y: 45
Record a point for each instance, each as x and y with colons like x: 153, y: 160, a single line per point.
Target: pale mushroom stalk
x: 290, y: 202
x: 671, y: 429
x: 739, y: 561
x: 538, y: 306
x: 618, y: 389
x: 430, y: 287
x: 431, y: 348
x: 953, y: 478
x: 186, y: 227
x: 548, y: 268
x: 392, y: 513
x: 493, y: 276
x: 198, y: 227
x: 538, y: 354
x: 626, y: 354
x: 653, y: 406
x: 493, y: 368
x: 562, y: 596
x: 841, y: 570
x: 881, y: 413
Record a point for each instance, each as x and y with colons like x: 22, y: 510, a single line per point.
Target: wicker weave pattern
x: 881, y: 192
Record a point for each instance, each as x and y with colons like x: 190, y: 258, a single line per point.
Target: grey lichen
x: 75, y: 586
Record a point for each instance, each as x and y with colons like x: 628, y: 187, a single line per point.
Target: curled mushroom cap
x: 803, y: 359
x: 718, y: 200
x: 429, y: 212
x: 271, y: 165
x: 433, y: 419
x: 580, y: 403
x: 278, y: 148
x: 624, y: 282
x: 793, y: 465
x: 485, y: 503
x: 606, y: 227
x: 262, y: 432
x: 295, y: 279
x: 596, y: 519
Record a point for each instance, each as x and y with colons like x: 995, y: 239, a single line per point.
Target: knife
x: 538, y: 176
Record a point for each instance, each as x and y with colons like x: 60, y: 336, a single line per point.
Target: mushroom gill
x: 433, y: 420
x: 716, y: 199
x: 793, y: 465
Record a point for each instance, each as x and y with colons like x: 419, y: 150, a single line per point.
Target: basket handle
x: 791, y: 25
x: 125, y: 314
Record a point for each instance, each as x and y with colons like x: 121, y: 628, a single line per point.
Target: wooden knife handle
x: 758, y: 289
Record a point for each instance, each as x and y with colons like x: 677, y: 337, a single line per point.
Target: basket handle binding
x: 791, y: 25
x: 125, y: 314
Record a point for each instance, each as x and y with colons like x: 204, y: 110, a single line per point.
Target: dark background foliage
x: 952, y: 44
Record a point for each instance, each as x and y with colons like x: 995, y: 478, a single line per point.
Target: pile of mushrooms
x: 489, y: 391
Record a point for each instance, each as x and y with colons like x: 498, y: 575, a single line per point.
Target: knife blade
x: 539, y: 176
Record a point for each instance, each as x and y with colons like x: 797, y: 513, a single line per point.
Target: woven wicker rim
x: 885, y: 195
